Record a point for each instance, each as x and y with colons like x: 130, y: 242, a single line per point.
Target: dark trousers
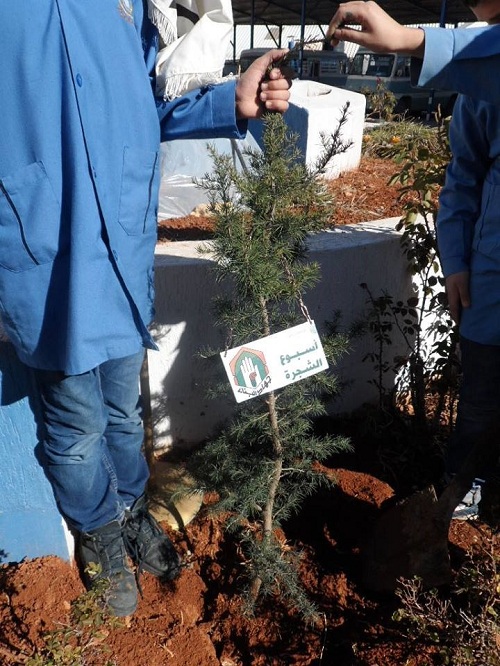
x: 479, y: 403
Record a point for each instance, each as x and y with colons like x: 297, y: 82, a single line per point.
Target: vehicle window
x: 372, y: 64
x: 380, y: 65
x: 402, y: 69
x: 359, y: 64
x: 332, y: 66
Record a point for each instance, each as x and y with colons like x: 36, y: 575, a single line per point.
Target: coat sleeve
x: 204, y: 113
x: 465, y: 60
x: 460, y: 198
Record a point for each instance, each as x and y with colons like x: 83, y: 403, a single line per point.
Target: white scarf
x: 194, y: 36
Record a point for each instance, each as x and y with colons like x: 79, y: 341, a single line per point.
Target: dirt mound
x: 198, y: 619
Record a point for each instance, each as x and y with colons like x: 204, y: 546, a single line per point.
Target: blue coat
x: 79, y: 137
x: 465, y: 60
x: 468, y: 221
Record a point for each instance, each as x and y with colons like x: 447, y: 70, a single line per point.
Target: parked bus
x: 367, y: 69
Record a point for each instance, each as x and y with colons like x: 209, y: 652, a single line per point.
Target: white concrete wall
x: 348, y: 256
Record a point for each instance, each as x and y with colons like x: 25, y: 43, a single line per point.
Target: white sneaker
x: 468, y: 509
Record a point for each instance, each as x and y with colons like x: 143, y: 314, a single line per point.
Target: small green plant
x: 383, y: 318
x: 423, y: 320
x: 401, y: 141
x: 428, y: 363
x: 262, y: 464
x: 380, y: 101
x: 84, y: 637
x: 421, y: 179
x: 465, y: 623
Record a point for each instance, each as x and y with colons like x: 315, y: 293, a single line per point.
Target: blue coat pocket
x: 137, y: 188
x: 29, y: 219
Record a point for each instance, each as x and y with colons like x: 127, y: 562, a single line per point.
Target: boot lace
x: 144, y: 536
x: 111, y: 552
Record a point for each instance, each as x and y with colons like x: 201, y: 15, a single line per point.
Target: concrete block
x: 348, y: 256
x: 315, y: 110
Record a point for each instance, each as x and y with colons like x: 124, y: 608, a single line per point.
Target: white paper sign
x: 275, y: 361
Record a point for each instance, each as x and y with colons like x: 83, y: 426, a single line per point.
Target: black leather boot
x: 147, y: 544
x: 105, y: 547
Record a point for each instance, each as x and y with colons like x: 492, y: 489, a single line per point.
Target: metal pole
x: 252, y: 25
x: 302, y: 36
x: 442, y: 20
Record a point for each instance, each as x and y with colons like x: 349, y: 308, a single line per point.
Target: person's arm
x: 460, y: 199
x: 378, y: 30
x: 223, y: 109
x: 464, y: 60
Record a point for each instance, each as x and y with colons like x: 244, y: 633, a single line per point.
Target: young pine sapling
x: 262, y: 464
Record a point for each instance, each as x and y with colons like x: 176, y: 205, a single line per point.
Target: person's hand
x: 263, y: 87
x: 457, y: 291
x: 378, y: 30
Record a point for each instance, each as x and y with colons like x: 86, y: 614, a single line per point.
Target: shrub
x: 464, y: 624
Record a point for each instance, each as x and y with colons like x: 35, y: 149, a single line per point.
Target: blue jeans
x: 479, y: 403
x: 93, y: 440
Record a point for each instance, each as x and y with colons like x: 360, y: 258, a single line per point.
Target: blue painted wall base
x: 31, y: 533
x: 30, y: 523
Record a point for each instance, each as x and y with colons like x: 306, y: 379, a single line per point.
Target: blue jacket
x: 465, y: 60
x: 468, y: 221
x: 79, y: 139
